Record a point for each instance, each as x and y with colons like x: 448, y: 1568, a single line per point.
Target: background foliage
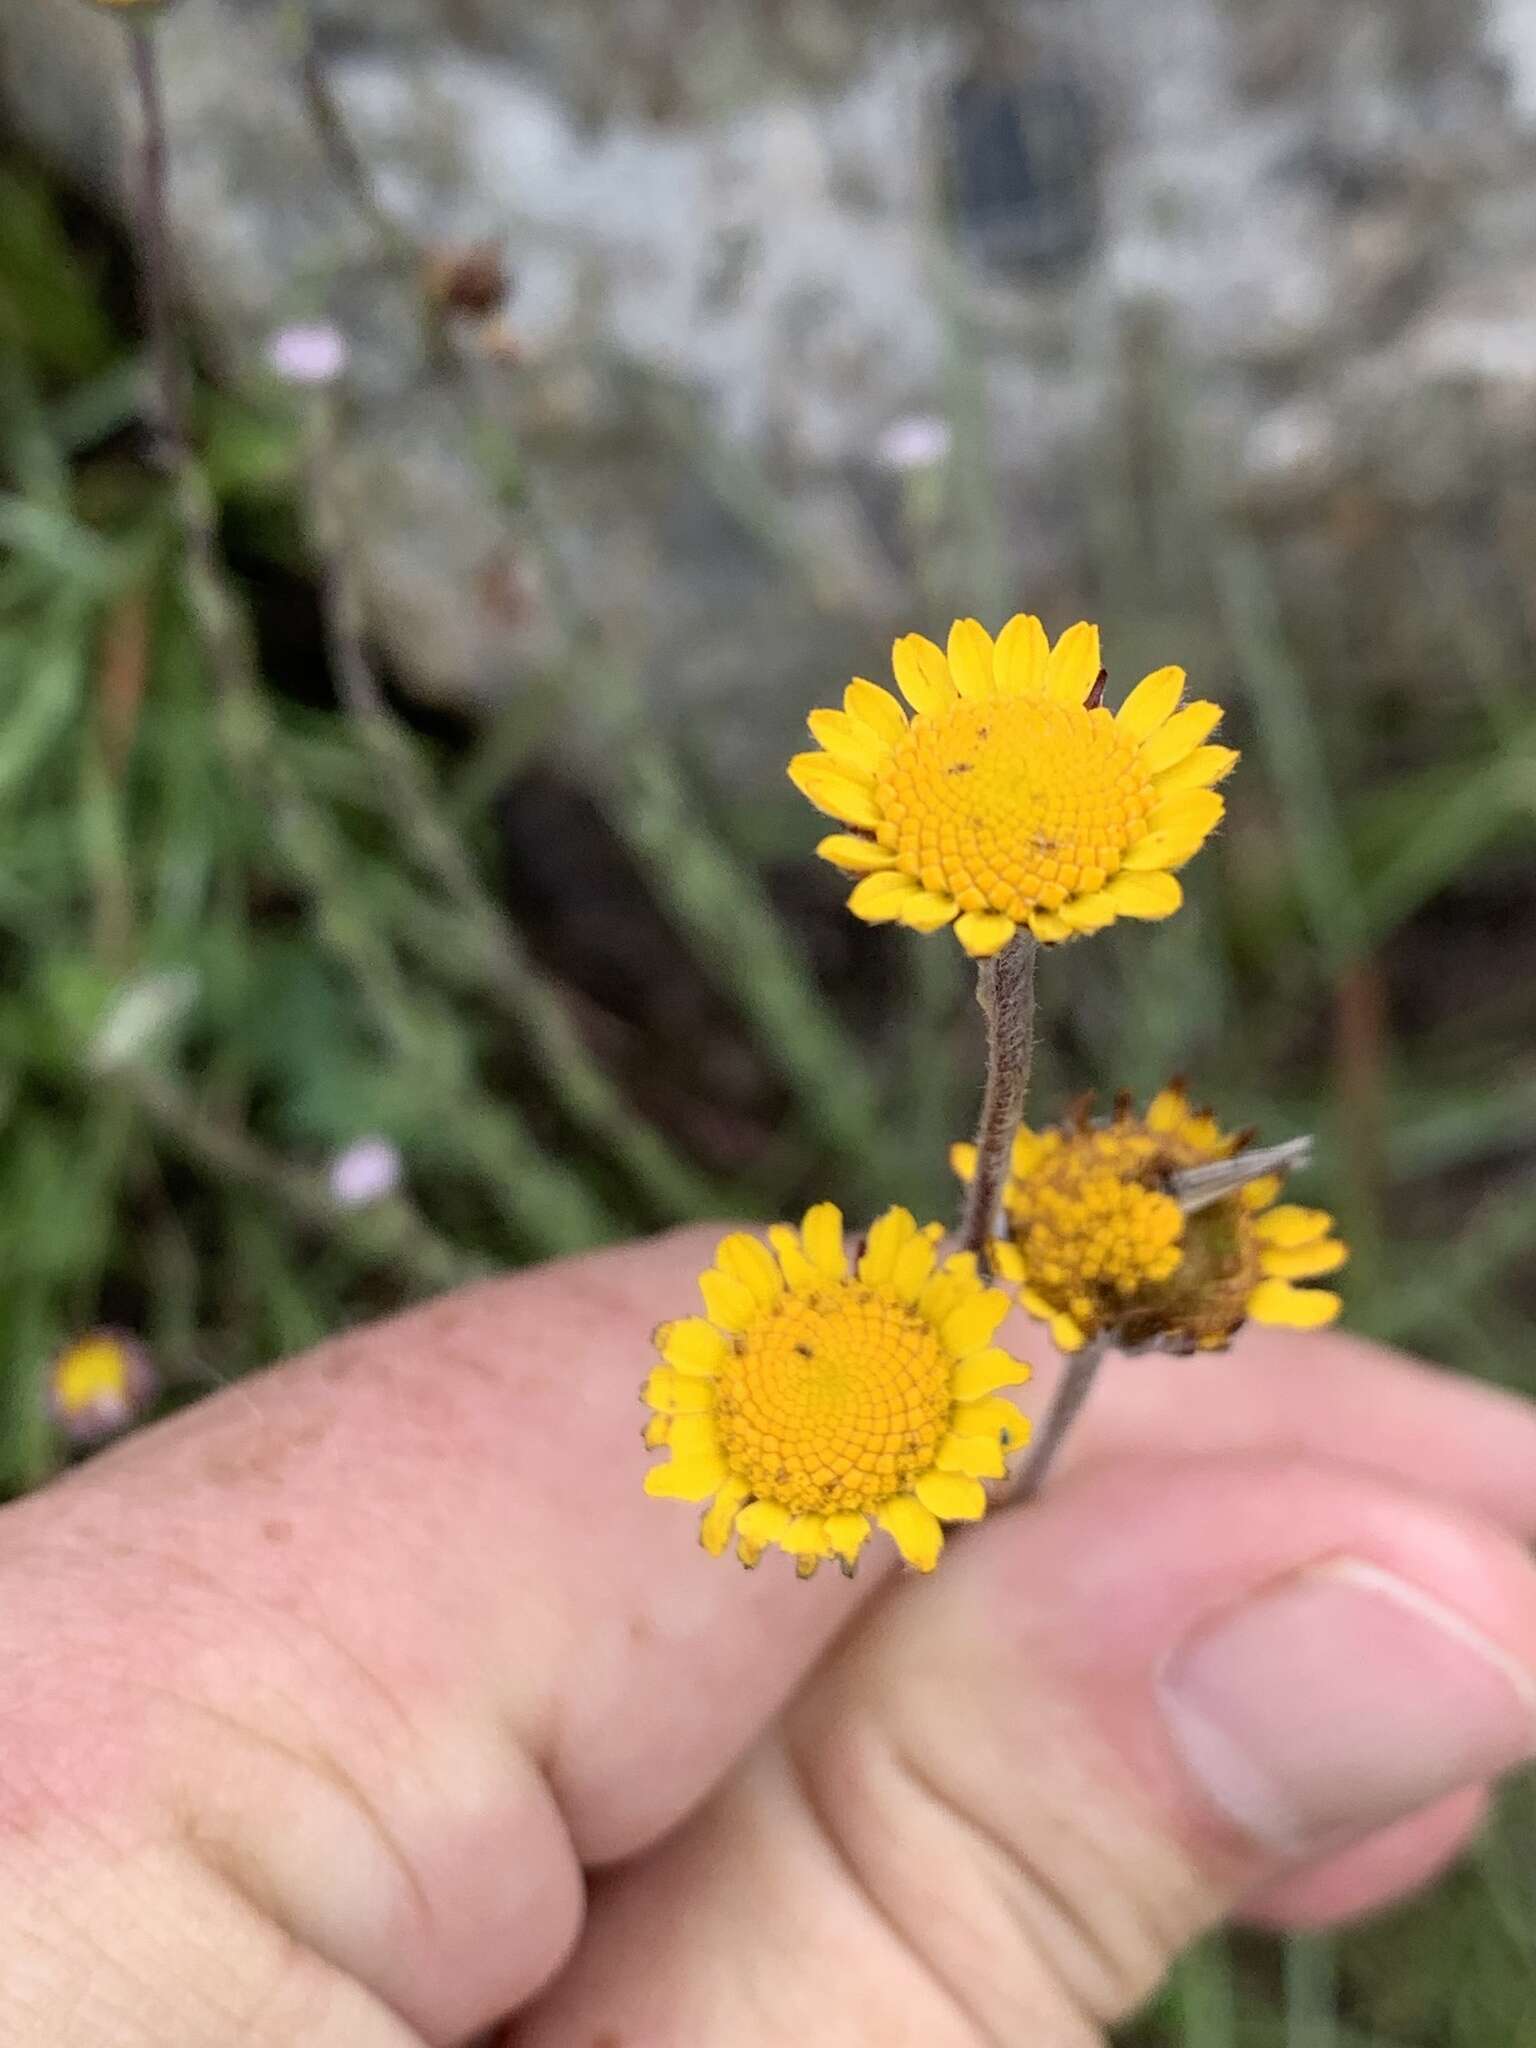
x: 585, y: 994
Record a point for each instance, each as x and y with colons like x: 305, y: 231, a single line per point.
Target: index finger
x: 398, y: 1632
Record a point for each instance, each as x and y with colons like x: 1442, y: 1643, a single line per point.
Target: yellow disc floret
x: 1012, y: 799
x: 1014, y: 806
x: 1099, y: 1244
x: 833, y: 1400
x: 811, y: 1404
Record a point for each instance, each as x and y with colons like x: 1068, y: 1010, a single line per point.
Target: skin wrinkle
x: 325, y: 1768
x: 295, y: 1970
x: 321, y: 1762
x: 1067, y: 1930
x: 141, y: 1980
x: 294, y: 1958
x: 820, y: 1810
x: 319, y: 1759
x: 58, y: 1903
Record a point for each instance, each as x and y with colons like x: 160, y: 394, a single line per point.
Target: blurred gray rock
x: 752, y: 241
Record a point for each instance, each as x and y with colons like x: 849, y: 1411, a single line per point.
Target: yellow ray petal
x: 983, y: 933
x: 1286, y: 1307
x: 1167, y: 1110
x: 985, y: 1371
x: 1030, y: 1147
x: 849, y: 742
x: 764, y: 1521
x: 1048, y: 928
x: 952, y: 1496
x: 1154, y: 699
x: 1067, y: 1334
x: 692, y: 1346
x: 1179, y: 737
x: 973, y: 1325
x: 913, y: 1268
x: 822, y: 1235
x: 656, y: 1432
x: 805, y: 1536
x: 694, y: 1478
x: 927, y: 912
x: 1291, y: 1225
x: 913, y: 1528
x: 978, y: 1457
x: 854, y: 855
x: 970, y: 658
x: 720, y: 1516
x: 888, y: 1236
x: 695, y: 1436
x: 729, y: 1303
x: 944, y: 1293
x: 875, y: 708
x: 677, y: 1393
x: 835, y: 790
x: 1197, y: 771
x: 879, y: 898
x: 1206, y: 1135
x: 1192, y: 815
x: 1074, y: 664
x: 1004, y: 1421
x: 749, y: 1260
x: 1019, y: 659
x: 1007, y: 1261
x: 1149, y: 896
x: 846, y: 1536
x: 1168, y: 850
x: 1258, y: 1194
x: 924, y: 676
x: 801, y: 1275
x: 1304, y: 1261
x: 963, y: 1160
x: 1089, y: 913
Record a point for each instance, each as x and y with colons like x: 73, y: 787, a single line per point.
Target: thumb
x: 1026, y: 1783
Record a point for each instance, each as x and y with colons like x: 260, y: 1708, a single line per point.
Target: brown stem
x: 347, y: 161
x: 352, y: 171
x: 1082, y: 1370
x: 1005, y: 989
x: 156, y: 274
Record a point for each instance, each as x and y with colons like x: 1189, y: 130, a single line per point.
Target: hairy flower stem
x: 157, y: 281
x: 1082, y: 1370
x: 1005, y: 989
x: 353, y: 173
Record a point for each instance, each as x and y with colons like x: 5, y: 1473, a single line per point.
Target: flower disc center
x: 1102, y: 1241
x: 832, y: 1402
x: 1014, y: 804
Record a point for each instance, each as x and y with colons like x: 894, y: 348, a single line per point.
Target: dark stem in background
x: 354, y: 174
x: 345, y: 158
x: 156, y: 264
x: 1005, y: 989
x: 395, y: 1232
x: 1082, y: 1370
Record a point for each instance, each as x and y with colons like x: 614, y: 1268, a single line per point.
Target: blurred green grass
x: 237, y: 934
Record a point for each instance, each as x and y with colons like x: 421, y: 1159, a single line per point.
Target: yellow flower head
x: 1098, y: 1243
x: 810, y: 1403
x: 100, y: 1385
x: 1012, y: 798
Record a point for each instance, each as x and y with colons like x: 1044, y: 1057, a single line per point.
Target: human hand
x: 372, y: 1703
